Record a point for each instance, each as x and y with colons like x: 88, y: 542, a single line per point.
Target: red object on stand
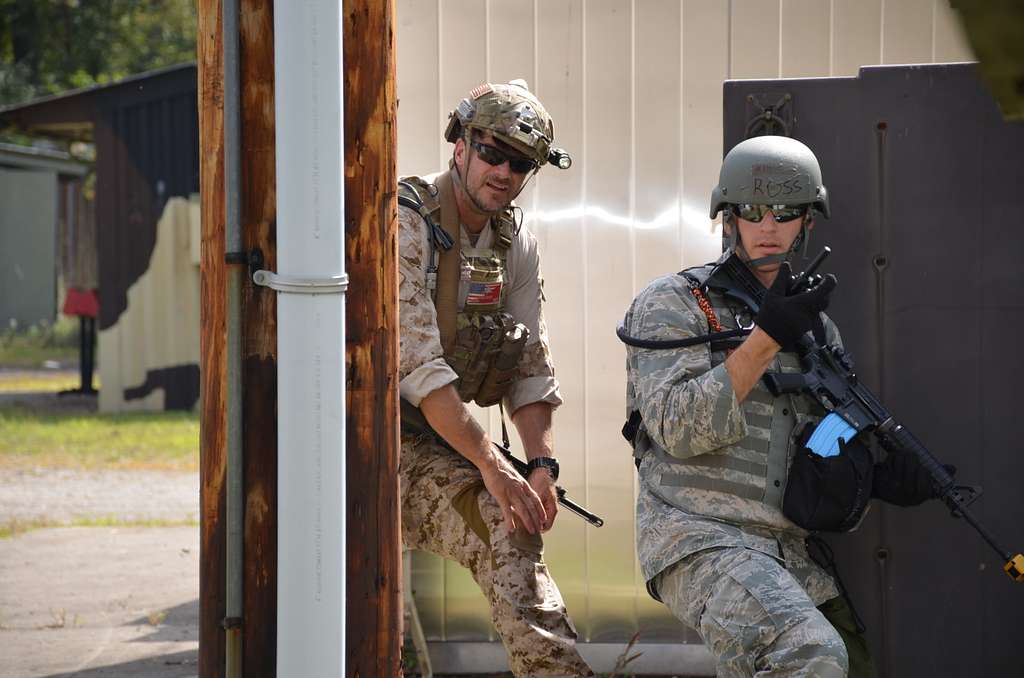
x: 81, y: 302
x: 86, y: 305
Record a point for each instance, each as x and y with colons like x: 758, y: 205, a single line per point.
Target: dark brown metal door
x: 926, y: 181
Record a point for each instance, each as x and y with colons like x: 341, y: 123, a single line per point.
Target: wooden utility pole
x: 373, y: 608
x: 212, y: 342
x: 259, y: 340
x: 373, y: 618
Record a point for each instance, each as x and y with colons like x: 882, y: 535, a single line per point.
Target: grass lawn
x: 144, y: 440
x: 33, y: 346
x: 51, y: 438
x: 14, y: 528
x: 56, y: 435
x: 22, y: 381
x: 19, y: 353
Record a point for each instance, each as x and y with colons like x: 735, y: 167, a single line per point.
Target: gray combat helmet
x: 770, y: 170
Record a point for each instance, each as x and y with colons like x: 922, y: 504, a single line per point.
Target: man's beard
x: 474, y: 194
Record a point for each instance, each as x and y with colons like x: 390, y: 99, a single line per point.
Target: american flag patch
x: 481, y: 90
x: 484, y: 293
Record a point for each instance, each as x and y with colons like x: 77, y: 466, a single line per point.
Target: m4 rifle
x: 829, y: 378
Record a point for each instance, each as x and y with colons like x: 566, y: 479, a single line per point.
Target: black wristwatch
x: 550, y: 463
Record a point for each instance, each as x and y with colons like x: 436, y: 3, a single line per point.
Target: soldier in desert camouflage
x: 472, y: 330
x: 713, y: 446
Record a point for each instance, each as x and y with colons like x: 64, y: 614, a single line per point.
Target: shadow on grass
x: 47, y: 402
x: 176, y: 624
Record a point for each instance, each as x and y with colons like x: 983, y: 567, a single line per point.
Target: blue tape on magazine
x: 825, y: 439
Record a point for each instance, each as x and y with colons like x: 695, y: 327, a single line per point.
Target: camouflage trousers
x: 754, y: 617
x: 446, y: 510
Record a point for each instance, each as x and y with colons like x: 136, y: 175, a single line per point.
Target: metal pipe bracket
x: 334, y: 285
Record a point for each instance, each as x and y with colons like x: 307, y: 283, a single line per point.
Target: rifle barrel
x: 591, y: 518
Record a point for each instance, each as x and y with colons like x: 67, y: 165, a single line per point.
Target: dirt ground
x: 90, y: 601
x: 118, y: 602
x: 97, y: 601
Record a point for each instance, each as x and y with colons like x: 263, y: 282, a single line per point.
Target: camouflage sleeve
x: 688, y: 406
x: 421, y: 365
x: 535, y: 381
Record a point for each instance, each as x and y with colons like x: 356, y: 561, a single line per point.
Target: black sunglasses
x: 783, y: 213
x: 495, y: 156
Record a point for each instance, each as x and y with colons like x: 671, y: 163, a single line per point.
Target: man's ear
x: 460, y: 153
x: 809, y: 223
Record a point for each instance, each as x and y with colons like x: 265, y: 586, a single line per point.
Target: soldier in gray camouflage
x: 472, y: 329
x: 713, y: 445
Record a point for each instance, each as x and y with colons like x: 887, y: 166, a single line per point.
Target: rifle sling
x: 414, y: 423
x: 711, y: 338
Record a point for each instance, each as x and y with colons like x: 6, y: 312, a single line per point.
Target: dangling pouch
x: 828, y: 494
x: 478, y: 339
x: 503, y: 370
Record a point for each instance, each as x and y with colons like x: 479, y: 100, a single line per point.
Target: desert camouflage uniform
x: 711, y: 537
x: 445, y: 508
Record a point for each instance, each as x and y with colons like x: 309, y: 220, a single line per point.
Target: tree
x: 50, y: 46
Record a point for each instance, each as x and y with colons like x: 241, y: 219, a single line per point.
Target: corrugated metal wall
x: 28, y: 247
x: 146, y: 132
x: 147, y: 154
x: 635, y: 89
x: 149, y: 359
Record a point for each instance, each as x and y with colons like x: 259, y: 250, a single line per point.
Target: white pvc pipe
x: 311, y: 340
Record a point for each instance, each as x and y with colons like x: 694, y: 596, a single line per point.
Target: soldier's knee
x: 811, y: 647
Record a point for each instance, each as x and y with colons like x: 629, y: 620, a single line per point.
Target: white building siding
x: 635, y: 90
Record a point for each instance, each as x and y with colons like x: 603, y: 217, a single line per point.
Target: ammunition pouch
x: 486, y: 355
x: 829, y: 494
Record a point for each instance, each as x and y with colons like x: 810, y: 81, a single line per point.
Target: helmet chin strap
x: 736, y: 245
x: 477, y: 207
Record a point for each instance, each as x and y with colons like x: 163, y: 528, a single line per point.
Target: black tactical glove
x: 903, y: 481
x: 787, y: 317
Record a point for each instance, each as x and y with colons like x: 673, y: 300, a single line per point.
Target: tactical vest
x: 481, y: 342
x: 743, y: 482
